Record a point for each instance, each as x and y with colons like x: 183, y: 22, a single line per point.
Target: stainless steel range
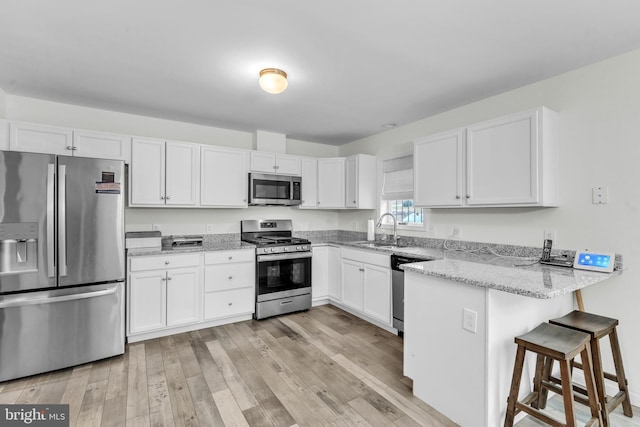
x: 283, y: 267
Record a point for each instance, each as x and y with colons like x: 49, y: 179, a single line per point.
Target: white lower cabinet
x: 229, y: 283
x: 325, y: 274
x: 164, y: 291
x: 366, y: 284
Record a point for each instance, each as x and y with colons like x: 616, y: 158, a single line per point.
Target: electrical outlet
x: 600, y: 195
x: 155, y: 227
x: 210, y: 229
x: 456, y: 232
x: 549, y: 235
x: 470, y: 320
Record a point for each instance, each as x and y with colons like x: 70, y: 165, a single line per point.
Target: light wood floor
x: 315, y: 368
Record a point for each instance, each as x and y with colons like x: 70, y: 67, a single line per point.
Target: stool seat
x: 593, y: 324
x: 597, y: 327
x: 552, y: 342
x: 557, y: 342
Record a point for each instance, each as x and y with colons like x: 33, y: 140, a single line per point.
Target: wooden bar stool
x: 597, y: 327
x: 556, y: 343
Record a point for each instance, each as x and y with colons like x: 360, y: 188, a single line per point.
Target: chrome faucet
x: 395, y: 226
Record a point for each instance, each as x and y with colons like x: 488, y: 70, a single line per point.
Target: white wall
x: 599, y: 108
x: 174, y: 221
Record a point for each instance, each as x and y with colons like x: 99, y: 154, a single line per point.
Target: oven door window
x: 270, y: 189
x: 283, y: 275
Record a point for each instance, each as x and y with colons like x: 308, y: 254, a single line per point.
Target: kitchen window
x: 397, y: 193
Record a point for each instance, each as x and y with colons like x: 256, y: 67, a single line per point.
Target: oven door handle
x: 280, y: 257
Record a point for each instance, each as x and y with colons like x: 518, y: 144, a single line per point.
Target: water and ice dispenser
x: 18, y: 247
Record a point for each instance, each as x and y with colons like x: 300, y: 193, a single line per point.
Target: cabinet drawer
x: 369, y: 257
x: 228, y: 276
x: 164, y: 261
x: 225, y: 257
x: 228, y: 303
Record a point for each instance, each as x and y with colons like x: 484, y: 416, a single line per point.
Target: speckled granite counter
x: 207, y: 246
x: 514, y: 275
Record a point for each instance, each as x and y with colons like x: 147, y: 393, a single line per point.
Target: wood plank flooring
x: 323, y: 367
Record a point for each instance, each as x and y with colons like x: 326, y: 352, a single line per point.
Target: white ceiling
x: 353, y: 65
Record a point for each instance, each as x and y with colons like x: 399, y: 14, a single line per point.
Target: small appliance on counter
x: 283, y: 267
x: 182, y: 241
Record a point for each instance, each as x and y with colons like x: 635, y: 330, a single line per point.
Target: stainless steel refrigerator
x: 62, y: 262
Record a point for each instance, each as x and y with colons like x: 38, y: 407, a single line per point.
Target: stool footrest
x: 607, y: 375
x: 554, y: 387
x: 521, y: 407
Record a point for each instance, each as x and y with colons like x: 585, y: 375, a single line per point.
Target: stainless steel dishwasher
x: 397, y: 287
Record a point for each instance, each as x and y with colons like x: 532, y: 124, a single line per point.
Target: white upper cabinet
x: 438, y: 170
x: 282, y: 164
x: 331, y: 183
x: 509, y: 161
x: 163, y: 173
x: 101, y: 145
x: 309, y: 183
x: 223, y: 177
x: 4, y: 135
x: 64, y: 141
x: 361, y: 181
x: 40, y: 139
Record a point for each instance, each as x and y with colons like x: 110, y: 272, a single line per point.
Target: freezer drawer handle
x: 20, y: 302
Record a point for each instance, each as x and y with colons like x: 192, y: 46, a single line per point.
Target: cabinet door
x: 502, y: 161
x: 182, y: 173
x: 147, y: 172
x: 223, y: 177
x: 377, y: 293
x: 287, y: 165
x: 320, y: 272
x: 101, y: 145
x: 335, y: 273
x: 4, y: 135
x: 263, y: 161
x: 183, y: 296
x: 352, y: 284
x: 352, y: 182
x: 438, y: 170
x: 331, y: 183
x: 40, y: 139
x: 309, y: 174
x: 147, y: 301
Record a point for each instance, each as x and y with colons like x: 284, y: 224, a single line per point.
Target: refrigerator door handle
x: 22, y: 301
x: 51, y: 266
x: 62, y: 220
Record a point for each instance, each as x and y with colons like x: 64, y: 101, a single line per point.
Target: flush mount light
x: 390, y: 125
x: 273, y: 80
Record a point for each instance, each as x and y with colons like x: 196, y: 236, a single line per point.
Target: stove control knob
x: 298, y: 248
x: 286, y: 249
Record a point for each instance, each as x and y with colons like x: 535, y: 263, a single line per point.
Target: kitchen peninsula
x: 461, y: 316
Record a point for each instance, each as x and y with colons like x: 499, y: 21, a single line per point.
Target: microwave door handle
x: 51, y: 266
x: 62, y: 220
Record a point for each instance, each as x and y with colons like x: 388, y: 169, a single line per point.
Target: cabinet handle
x: 458, y: 196
x: 230, y: 277
x: 468, y: 196
x: 168, y: 197
x: 230, y: 258
x: 166, y: 263
x: 164, y: 279
x: 74, y: 148
x: 69, y: 147
x: 354, y: 202
x: 361, y: 269
x: 230, y: 304
x: 162, y: 197
x: 169, y: 278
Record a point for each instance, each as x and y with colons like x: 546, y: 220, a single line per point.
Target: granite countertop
x: 520, y: 276
x: 207, y: 246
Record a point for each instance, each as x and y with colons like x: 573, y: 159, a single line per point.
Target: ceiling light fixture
x: 273, y: 80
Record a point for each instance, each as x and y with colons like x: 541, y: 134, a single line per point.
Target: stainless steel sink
x: 378, y: 245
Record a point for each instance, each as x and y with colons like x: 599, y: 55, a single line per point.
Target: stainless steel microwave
x: 278, y: 190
